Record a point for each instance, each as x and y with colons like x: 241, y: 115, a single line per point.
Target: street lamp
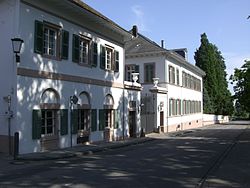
x: 17, y: 44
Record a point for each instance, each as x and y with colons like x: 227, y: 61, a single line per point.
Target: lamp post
x: 17, y: 45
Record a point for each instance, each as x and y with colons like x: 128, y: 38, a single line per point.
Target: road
x: 201, y: 158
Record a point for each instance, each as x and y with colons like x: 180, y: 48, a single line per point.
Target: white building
x: 70, y: 52
x: 174, y: 101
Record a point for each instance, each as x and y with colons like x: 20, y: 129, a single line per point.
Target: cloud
x: 139, y: 18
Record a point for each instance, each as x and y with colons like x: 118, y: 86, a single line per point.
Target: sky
x: 181, y: 22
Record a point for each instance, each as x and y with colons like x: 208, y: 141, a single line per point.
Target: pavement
x: 87, y: 149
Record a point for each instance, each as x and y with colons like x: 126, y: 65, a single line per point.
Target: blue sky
x: 181, y: 22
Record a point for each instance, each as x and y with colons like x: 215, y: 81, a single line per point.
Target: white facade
x: 164, y: 105
x: 43, y: 83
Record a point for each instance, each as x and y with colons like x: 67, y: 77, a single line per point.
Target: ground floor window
x: 48, y: 122
x: 83, y: 119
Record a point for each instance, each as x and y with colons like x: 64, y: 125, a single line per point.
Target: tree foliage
x: 241, y: 79
x: 216, y: 96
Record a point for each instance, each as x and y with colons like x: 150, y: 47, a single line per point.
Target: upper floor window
x: 177, y: 77
x: 149, y: 72
x: 50, y: 40
x: 81, y: 50
x: 171, y: 71
x: 129, y: 69
x: 109, y: 58
x: 191, y: 82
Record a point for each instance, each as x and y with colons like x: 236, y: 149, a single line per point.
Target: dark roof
x: 143, y: 45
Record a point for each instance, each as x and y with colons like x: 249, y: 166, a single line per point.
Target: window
x: 177, y: 77
x: 108, y: 64
x: 149, y: 72
x: 50, y: 40
x: 84, y: 119
x: 109, y: 58
x: 48, y: 122
x: 84, y: 51
x: 129, y: 70
x: 81, y: 51
x: 170, y: 107
x: 171, y: 71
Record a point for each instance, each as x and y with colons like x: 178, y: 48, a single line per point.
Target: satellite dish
x: 73, y: 99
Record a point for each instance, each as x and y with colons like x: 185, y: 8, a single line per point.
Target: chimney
x: 134, y: 31
x: 162, y: 43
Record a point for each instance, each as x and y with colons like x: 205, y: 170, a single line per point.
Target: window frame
x: 146, y: 71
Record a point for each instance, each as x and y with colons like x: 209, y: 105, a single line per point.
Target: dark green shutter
x: 74, y: 121
x: 75, y: 48
x: 93, y: 120
x: 95, y: 54
x: 116, y: 61
x: 117, y: 119
x: 102, y: 57
x: 38, y: 37
x: 64, y: 121
x: 36, y: 124
x: 65, y: 44
x: 101, y: 120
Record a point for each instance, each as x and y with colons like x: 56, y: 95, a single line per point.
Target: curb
x: 71, y: 154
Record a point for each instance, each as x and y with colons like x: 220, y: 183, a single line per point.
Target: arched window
x: 50, y: 96
x: 50, y: 99
x: 84, y: 99
x: 108, y: 101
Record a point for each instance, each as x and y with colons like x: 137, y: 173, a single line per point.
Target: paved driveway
x: 215, y: 156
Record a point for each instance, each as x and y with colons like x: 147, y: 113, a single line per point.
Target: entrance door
x: 162, y: 121
x: 132, y: 124
x: 83, y: 125
x: 49, y: 132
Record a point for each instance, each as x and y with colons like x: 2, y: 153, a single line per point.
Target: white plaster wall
x: 37, y: 62
x: 8, y: 29
x: 159, y: 64
x: 29, y: 97
x: 174, y: 91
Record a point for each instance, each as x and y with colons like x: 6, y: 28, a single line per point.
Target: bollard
x: 16, y: 145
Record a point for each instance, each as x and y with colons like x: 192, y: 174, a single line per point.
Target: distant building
x: 69, y: 86
x: 172, y: 87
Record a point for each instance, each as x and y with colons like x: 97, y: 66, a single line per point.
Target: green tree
x: 241, y: 79
x: 217, y: 98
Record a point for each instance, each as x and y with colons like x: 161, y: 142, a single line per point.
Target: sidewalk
x: 91, y: 148
x: 81, y: 150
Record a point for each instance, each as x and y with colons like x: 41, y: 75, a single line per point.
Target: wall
x: 209, y: 119
x: 8, y: 29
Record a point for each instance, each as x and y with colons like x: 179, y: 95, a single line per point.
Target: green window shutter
x: 117, y: 119
x: 65, y: 44
x: 101, y: 119
x: 74, y: 121
x: 93, y: 120
x: 95, y: 54
x: 102, y: 57
x: 75, y: 48
x: 116, y: 61
x: 38, y: 37
x: 64, y: 121
x: 36, y: 124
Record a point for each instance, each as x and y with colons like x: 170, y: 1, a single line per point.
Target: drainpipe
x: 123, y: 114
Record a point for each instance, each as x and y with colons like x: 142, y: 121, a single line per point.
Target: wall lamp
x: 17, y: 45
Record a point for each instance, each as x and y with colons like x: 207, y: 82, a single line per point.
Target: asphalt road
x: 199, y: 158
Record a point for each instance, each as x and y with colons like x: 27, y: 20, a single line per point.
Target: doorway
x: 49, y: 130
x: 132, y: 123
